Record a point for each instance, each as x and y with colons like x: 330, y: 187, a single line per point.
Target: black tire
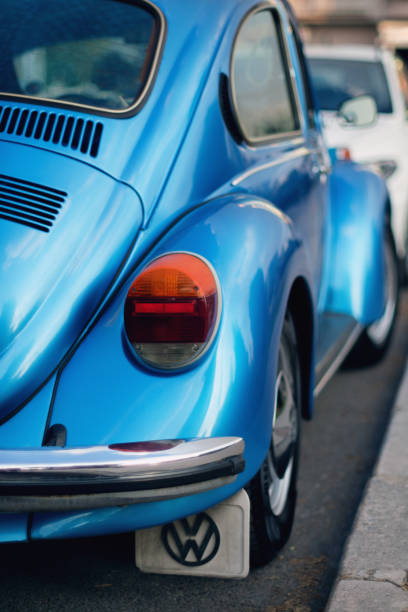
x: 272, y: 491
x: 375, y: 339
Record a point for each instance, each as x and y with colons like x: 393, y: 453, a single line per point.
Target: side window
x: 262, y: 94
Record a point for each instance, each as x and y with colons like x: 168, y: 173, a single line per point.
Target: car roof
x: 217, y: 8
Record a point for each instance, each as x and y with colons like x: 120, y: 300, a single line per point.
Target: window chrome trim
x: 272, y: 7
x: 160, y: 22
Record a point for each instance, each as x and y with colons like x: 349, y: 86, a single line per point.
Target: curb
x: 373, y: 575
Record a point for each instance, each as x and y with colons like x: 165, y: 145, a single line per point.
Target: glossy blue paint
x: 172, y: 178
x: 211, y: 398
x: 13, y: 527
x: 43, y: 313
x: 232, y: 234
x: 26, y: 428
x: 354, y: 264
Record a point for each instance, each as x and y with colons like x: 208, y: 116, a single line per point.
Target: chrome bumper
x: 59, y: 479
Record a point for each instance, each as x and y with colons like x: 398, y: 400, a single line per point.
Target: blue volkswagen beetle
x: 183, y: 267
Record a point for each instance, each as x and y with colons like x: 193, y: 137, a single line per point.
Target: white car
x: 342, y: 72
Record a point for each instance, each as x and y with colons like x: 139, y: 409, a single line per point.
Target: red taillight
x: 171, y: 310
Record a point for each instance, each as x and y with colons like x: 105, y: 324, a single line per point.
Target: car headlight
x: 172, y: 310
x: 385, y: 168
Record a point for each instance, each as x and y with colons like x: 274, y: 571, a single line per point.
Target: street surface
x: 339, y: 449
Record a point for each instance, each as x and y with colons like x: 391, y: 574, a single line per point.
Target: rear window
x: 97, y: 53
x: 336, y: 81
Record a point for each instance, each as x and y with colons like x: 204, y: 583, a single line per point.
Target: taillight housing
x: 172, y: 310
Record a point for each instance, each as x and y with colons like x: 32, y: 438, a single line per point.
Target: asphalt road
x: 339, y: 449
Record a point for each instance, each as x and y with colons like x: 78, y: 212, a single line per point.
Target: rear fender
x: 104, y: 396
x: 250, y: 245
x: 354, y: 262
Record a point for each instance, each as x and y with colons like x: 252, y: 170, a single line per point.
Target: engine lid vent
x: 56, y: 128
x: 28, y: 203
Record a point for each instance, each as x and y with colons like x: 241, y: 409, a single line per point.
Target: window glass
x: 338, y: 80
x: 263, y: 99
x: 92, y: 52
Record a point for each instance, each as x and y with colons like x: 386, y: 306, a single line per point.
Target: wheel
x: 272, y: 491
x: 375, y: 339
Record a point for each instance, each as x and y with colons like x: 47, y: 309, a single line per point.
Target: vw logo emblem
x: 192, y: 541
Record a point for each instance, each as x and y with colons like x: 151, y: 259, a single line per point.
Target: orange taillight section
x: 178, y: 275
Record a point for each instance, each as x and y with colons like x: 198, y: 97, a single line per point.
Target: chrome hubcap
x: 278, y: 465
x: 279, y: 487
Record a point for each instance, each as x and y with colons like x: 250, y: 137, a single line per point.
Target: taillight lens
x: 172, y: 309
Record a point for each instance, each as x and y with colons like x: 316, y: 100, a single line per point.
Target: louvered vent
x: 59, y: 129
x: 30, y: 204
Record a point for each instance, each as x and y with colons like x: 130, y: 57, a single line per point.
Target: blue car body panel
x: 13, y: 527
x: 359, y: 204
x: 171, y: 178
x: 210, y: 399
x: 24, y: 430
x: 77, y: 260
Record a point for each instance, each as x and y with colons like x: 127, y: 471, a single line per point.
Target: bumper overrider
x: 63, y: 479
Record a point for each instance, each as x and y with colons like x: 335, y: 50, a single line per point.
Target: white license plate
x: 212, y: 543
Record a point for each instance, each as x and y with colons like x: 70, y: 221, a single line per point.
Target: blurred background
x: 383, y: 22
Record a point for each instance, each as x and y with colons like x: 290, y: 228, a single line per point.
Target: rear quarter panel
x: 105, y: 396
